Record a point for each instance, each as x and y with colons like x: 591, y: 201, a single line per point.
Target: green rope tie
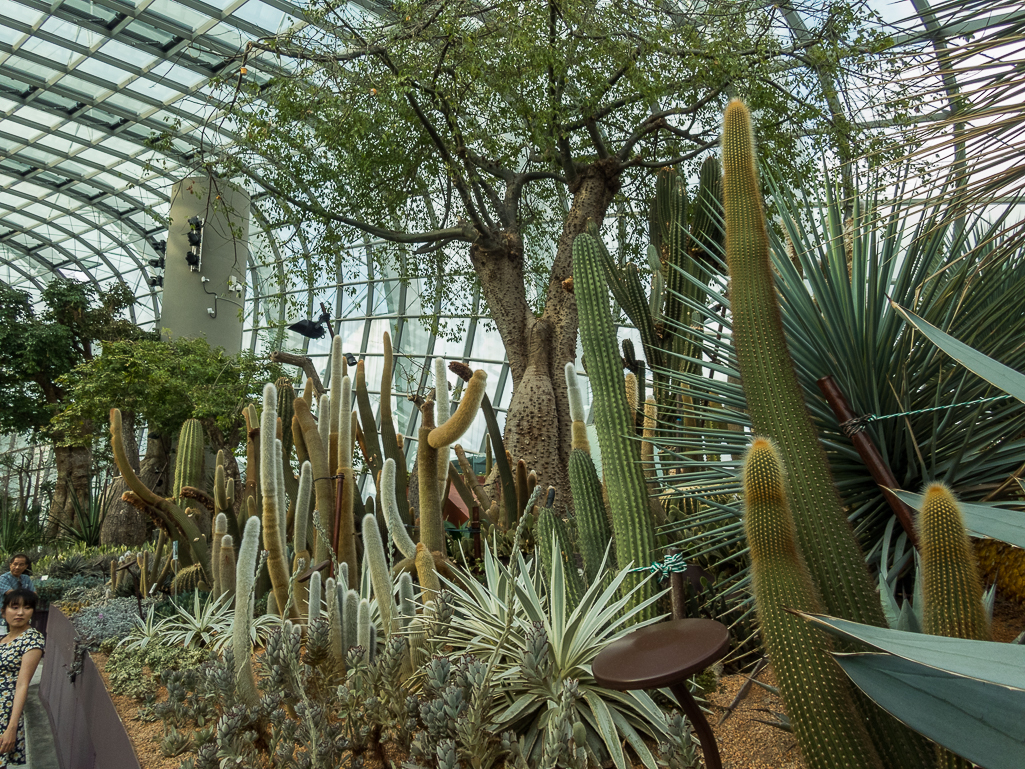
x: 857, y: 424
x: 672, y: 563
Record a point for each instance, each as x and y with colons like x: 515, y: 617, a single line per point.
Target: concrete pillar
x: 200, y: 303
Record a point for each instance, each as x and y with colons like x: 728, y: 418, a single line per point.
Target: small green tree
x: 161, y: 384
x: 40, y: 343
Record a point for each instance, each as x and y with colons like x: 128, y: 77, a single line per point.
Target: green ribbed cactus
x: 776, y: 405
x: 241, y: 639
x: 628, y: 496
x: 336, y: 628
x: 593, y: 531
x: 553, y: 542
x: 774, y: 397
x: 814, y: 689
x: 226, y: 566
x: 188, y: 465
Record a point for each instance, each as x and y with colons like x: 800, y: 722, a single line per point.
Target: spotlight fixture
x: 195, y: 235
x: 160, y: 246
x: 312, y: 329
x: 350, y: 359
x: 157, y: 263
x: 157, y: 281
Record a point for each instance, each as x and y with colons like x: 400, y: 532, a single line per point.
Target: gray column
x: 199, y: 303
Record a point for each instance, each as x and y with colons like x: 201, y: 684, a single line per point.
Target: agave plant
x: 521, y: 623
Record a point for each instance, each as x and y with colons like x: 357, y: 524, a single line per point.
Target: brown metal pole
x: 676, y: 589
x: 475, y: 530
x: 870, y: 455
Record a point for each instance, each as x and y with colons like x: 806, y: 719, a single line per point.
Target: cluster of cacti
x: 1003, y: 564
x: 824, y: 538
x: 632, y: 523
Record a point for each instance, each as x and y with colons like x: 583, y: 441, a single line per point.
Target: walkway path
x: 38, y: 736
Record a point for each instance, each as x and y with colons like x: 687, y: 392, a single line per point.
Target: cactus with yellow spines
x: 335, y: 400
x: 1004, y: 564
x: 442, y: 412
x: 630, y: 385
x: 776, y: 405
x: 452, y: 429
x: 274, y: 501
x: 774, y: 397
x: 251, y: 490
x: 286, y: 410
x: 951, y: 588
x: 430, y: 585
x: 815, y: 691
x: 648, y: 434
x: 628, y: 500
x: 371, y: 440
x: 300, y: 535
x: 344, y: 436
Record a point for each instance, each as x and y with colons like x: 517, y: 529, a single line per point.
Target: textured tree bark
x: 124, y: 524
x: 74, y: 472
x: 537, y: 427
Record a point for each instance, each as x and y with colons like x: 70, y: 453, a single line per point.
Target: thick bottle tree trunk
x: 124, y: 523
x: 537, y: 427
x: 74, y: 473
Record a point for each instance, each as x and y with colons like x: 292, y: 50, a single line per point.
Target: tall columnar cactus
x: 389, y: 503
x: 227, y: 566
x: 407, y: 601
x: 274, y: 501
x: 377, y: 564
x: 425, y: 571
x: 318, y: 458
x: 593, y: 532
x: 220, y: 531
x: 286, y: 410
x: 314, y: 600
x: 442, y: 411
x: 951, y: 588
x: 631, y: 517
x: 774, y: 397
x: 241, y: 639
x: 346, y: 543
x: 815, y: 691
x: 188, y: 466
x: 389, y: 440
x: 776, y: 405
x: 371, y: 441
x: 553, y: 542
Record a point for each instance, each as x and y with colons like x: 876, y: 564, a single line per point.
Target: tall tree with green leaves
x: 39, y: 343
x: 476, y: 142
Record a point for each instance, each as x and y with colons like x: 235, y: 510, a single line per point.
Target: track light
x: 350, y: 359
x: 160, y: 246
x: 195, y: 236
x: 157, y: 263
x: 157, y: 281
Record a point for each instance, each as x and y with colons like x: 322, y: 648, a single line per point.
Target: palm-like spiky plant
x: 835, y: 281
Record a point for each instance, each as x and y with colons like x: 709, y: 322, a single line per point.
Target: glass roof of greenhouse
x: 86, y: 84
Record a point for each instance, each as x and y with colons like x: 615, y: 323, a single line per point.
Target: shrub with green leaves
x: 133, y: 671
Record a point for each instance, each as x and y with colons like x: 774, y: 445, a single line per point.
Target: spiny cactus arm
x: 270, y: 477
x: 593, y: 531
x: 453, y: 428
x: 309, y: 390
x: 407, y: 603
x: 815, y: 691
x: 389, y: 441
x: 286, y: 410
x: 336, y: 633
x: 345, y: 424
x: 707, y: 233
x: 338, y: 403
x: 325, y: 429
x: 241, y: 643
x: 774, y: 397
x: 631, y: 517
x: 298, y: 440
x: 313, y: 613
x: 345, y: 547
x: 302, y: 512
x: 630, y: 386
x: 188, y: 469
x: 430, y: 585
x: 349, y: 609
x: 576, y: 410
x: 371, y: 441
x: 252, y: 487
x: 396, y: 528
x: 553, y: 537
x: 951, y: 588
x: 363, y: 628
x: 647, y: 447
x: 220, y: 530
x: 226, y: 556
x: 322, y: 485
x: 432, y: 530
x: 373, y: 553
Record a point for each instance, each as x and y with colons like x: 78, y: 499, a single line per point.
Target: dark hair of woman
x: 22, y: 597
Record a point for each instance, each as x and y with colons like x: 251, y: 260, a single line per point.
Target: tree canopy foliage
x: 40, y: 344
x: 165, y: 383
x: 445, y: 121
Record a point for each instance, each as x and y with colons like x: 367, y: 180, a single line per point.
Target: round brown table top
x: 661, y: 655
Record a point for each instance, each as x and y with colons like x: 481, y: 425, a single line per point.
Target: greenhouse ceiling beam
x: 26, y: 275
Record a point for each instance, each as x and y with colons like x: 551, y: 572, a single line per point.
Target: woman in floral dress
x: 20, y: 652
